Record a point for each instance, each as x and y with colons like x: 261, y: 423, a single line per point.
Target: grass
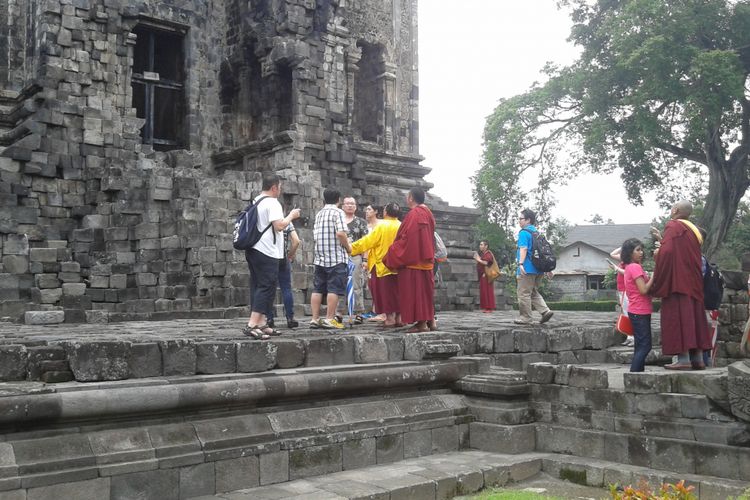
x: 499, y: 494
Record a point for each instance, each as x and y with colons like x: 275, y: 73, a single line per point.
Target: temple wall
x: 142, y: 128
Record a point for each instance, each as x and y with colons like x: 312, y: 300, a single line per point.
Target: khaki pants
x: 528, y: 295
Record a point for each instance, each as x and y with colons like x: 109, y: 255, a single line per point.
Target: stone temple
x: 132, y: 132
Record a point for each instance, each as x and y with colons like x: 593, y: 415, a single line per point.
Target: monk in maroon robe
x: 678, y: 280
x: 413, y: 255
x: 486, y: 288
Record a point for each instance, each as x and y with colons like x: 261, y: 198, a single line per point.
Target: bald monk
x: 678, y: 280
x: 413, y: 254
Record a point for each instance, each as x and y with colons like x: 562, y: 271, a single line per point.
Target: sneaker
x: 546, y: 317
x: 520, y: 321
x: 629, y: 342
x: 331, y: 324
x: 291, y: 323
x: 339, y: 318
x: 315, y: 323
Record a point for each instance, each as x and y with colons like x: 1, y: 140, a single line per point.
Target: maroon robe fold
x: 412, y: 253
x: 678, y: 280
x: 486, y: 289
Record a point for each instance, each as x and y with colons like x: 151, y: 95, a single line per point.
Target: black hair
x: 485, y: 242
x: 392, y: 210
x: 270, y: 180
x: 331, y: 195
x: 627, y: 248
x: 417, y: 194
x: 529, y: 214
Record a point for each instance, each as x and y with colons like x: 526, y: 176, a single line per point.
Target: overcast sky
x: 470, y: 57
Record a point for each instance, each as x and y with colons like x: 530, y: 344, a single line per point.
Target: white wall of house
x: 582, y: 257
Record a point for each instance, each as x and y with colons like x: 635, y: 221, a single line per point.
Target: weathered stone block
x: 256, y: 356
x: 540, y: 373
x: 98, y: 360
x: 647, y: 382
x: 44, y: 317
x: 290, y: 353
x: 416, y: 443
x: 162, y: 484
x: 327, y: 351
x: 237, y: 473
x: 496, y: 438
x: 46, y: 280
x: 74, y: 289
x: 145, y: 360
x: 370, y: 349
x: 274, y: 467
x: 504, y: 341
x: 315, y: 461
x: 216, y: 357
x: 92, y: 488
x: 13, y: 362
x: 43, y: 255
x: 359, y: 453
x: 16, y: 264
x: 445, y: 439
x: 565, y: 339
x: 390, y: 448
x: 178, y: 357
x: 529, y: 340
x: 197, y: 480
x: 16, y: 244
x: 589, y: 378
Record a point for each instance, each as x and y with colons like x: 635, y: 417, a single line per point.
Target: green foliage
x: 667, y: 491
x: 658, y: 94
x: 598, y: 305
x: 501, y: 244
x: 610, y: 279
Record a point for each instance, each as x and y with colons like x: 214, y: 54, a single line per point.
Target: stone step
x: 432, y: 477
x: 447, y: 475
x: 602, y: 473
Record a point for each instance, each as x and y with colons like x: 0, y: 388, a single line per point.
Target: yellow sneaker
x: 331, y: 324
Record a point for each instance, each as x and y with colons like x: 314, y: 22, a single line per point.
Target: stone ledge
x: 116, y: 400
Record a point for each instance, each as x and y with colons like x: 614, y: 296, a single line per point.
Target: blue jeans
x: 285, y: 283
x: 642, y: 337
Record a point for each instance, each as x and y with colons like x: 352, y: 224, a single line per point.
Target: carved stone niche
x: 738, y: 388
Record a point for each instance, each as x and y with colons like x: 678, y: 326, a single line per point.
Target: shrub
x: 668, y: 491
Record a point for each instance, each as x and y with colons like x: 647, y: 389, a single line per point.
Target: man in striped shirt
x: 330, y: 260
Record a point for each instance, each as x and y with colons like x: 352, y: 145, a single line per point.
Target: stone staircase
x: 342, y: 416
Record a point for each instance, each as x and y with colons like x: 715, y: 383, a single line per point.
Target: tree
x: 658, y: 93
x: 598, y: 219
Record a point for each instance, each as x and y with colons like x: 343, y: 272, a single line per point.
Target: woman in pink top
x: 637, y: 284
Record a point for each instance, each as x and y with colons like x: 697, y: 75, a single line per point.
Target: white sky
x: 472, y: 53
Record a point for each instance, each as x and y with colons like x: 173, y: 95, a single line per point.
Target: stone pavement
x: 117, y: 351
x: 229, y: 329
x: 447, y: 475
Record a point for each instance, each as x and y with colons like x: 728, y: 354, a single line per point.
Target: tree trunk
x: 728, y: 182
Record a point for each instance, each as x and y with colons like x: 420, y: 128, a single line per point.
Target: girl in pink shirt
x: 637, y: 284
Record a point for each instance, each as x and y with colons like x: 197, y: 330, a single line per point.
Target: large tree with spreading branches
x: 658, y: 93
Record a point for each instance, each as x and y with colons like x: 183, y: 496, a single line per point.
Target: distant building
x: 582, y: 263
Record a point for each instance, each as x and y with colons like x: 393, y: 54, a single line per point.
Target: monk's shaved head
x: 682, y: 209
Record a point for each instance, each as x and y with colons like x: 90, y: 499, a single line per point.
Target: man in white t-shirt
x: 263, y: 258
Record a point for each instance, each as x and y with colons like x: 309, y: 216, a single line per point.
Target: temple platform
x: 191, y: 408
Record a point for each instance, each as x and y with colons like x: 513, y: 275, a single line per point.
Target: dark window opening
x: 595, y: 283
x: 283, y: 99
x: 158, y: 86
x: 369, y: 100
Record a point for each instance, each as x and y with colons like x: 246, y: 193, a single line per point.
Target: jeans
x: 642, y: 336
x: 285, y: 283
x: 264, y: 274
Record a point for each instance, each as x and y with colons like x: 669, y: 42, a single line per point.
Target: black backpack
x: 542, y: 256
x: 713, y: 287
x: 246, y: 233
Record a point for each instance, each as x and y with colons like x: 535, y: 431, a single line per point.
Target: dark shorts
x: 330, y: 279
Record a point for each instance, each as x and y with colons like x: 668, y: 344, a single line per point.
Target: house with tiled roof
x: 582, y: 262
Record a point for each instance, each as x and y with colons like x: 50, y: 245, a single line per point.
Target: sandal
x: 255, y: 332
x: 270, y: 331
x: 359, y: 319
x: 416, y: 329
